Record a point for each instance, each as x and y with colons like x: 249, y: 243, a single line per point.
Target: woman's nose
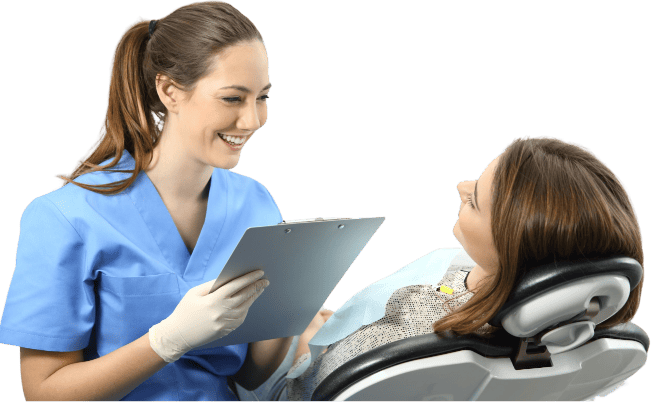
x: 249, y: 118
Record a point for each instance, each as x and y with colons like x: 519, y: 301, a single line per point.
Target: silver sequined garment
x: 410, y: 311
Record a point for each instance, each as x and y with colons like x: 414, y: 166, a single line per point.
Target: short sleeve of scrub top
x: 95, y: 272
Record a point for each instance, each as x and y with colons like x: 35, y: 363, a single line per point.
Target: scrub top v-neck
x: 95, y: 272
x: 157, y: 218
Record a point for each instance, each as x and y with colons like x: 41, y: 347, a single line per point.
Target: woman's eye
x: 238, y: 99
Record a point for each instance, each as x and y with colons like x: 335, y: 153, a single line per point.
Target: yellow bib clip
x: 445, y: 289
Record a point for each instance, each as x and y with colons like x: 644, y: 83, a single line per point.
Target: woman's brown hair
x: 550, y: 201
x: 182, y: 47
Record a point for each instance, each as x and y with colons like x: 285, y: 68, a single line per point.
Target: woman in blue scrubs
x: 109, y: 295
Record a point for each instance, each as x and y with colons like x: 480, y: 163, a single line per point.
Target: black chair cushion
x: 500, y: 344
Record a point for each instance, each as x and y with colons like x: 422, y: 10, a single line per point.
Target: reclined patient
x: 540, y: 200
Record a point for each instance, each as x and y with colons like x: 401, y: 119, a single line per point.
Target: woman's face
x: 231, y: 100
x: 473, y: 229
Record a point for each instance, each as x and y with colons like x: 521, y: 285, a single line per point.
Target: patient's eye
x: 470, y: 201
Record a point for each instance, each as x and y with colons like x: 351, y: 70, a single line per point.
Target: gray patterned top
x: 410, y: 311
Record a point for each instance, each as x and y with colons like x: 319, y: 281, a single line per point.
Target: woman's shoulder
x: 71, y: 195
x: 244, y: 182
x: 247, y: 188
x: 75, y: 202
x: 65, y: 200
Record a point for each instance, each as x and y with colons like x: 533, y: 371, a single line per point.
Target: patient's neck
x: 474, y: 277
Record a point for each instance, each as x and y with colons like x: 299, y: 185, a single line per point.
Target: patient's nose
x: 461, y: 187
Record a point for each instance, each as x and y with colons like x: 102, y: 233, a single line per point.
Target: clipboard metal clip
x: 314, y: 220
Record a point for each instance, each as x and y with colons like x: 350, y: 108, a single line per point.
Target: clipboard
x: 304, y: 261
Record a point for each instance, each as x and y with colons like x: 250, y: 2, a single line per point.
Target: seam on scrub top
x: 266, y: 191
x: 138, y: 294
x: 281, y: 218
x: 152, y: 235
x: 85, y: 273
x: 222, y: 227
x: 35, y: 334
x: 64, y: 216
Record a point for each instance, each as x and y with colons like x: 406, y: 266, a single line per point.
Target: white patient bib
x: 369, y: 305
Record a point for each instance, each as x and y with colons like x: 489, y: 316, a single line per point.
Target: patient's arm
x: 315, y: 325
x: 262, y: 360
x: 264, y: 357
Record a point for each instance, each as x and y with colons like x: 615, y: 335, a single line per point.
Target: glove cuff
x: 163, y: 345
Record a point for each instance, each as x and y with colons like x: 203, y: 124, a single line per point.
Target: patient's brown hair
x: 550, y: 200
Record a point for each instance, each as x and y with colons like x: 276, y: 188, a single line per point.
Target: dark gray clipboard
x: 304, y: 261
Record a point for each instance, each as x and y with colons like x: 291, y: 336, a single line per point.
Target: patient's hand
x: 315, y: 325
x: 326, y: 314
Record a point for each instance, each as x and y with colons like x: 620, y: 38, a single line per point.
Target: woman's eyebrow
x: 476, y: 199
x: 245, y: 89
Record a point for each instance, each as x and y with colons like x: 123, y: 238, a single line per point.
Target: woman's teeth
x: 232, y: 140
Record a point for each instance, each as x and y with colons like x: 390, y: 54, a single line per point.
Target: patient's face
x: 473, y: 229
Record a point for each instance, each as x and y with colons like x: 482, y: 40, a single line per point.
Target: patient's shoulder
x: 450, y: 286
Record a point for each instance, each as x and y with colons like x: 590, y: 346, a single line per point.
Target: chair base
x: 579, y: 374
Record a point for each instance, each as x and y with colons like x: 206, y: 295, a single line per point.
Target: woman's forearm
x: 109, y: 377
x: 262, y: 360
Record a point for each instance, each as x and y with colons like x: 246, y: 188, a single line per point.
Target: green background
x: 377, y: 109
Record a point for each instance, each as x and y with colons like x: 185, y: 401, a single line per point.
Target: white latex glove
x: 200, y: 318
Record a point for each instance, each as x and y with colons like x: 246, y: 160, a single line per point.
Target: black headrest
x: 545, y: 277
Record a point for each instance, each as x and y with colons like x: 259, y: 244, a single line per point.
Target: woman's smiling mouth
x: 233, y: 142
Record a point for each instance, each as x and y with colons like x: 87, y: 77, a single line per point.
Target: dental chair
x: 547, y: 347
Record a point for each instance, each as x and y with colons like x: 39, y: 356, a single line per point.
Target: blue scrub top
x: 95, y: 272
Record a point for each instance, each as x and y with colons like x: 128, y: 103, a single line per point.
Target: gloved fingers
x: 245, y: 297
x: 203, y: 289
x: 229, y: 289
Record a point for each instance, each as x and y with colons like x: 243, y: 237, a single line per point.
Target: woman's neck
x: 177, y: 177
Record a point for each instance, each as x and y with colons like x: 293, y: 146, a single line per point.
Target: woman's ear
x: 168, y: 92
